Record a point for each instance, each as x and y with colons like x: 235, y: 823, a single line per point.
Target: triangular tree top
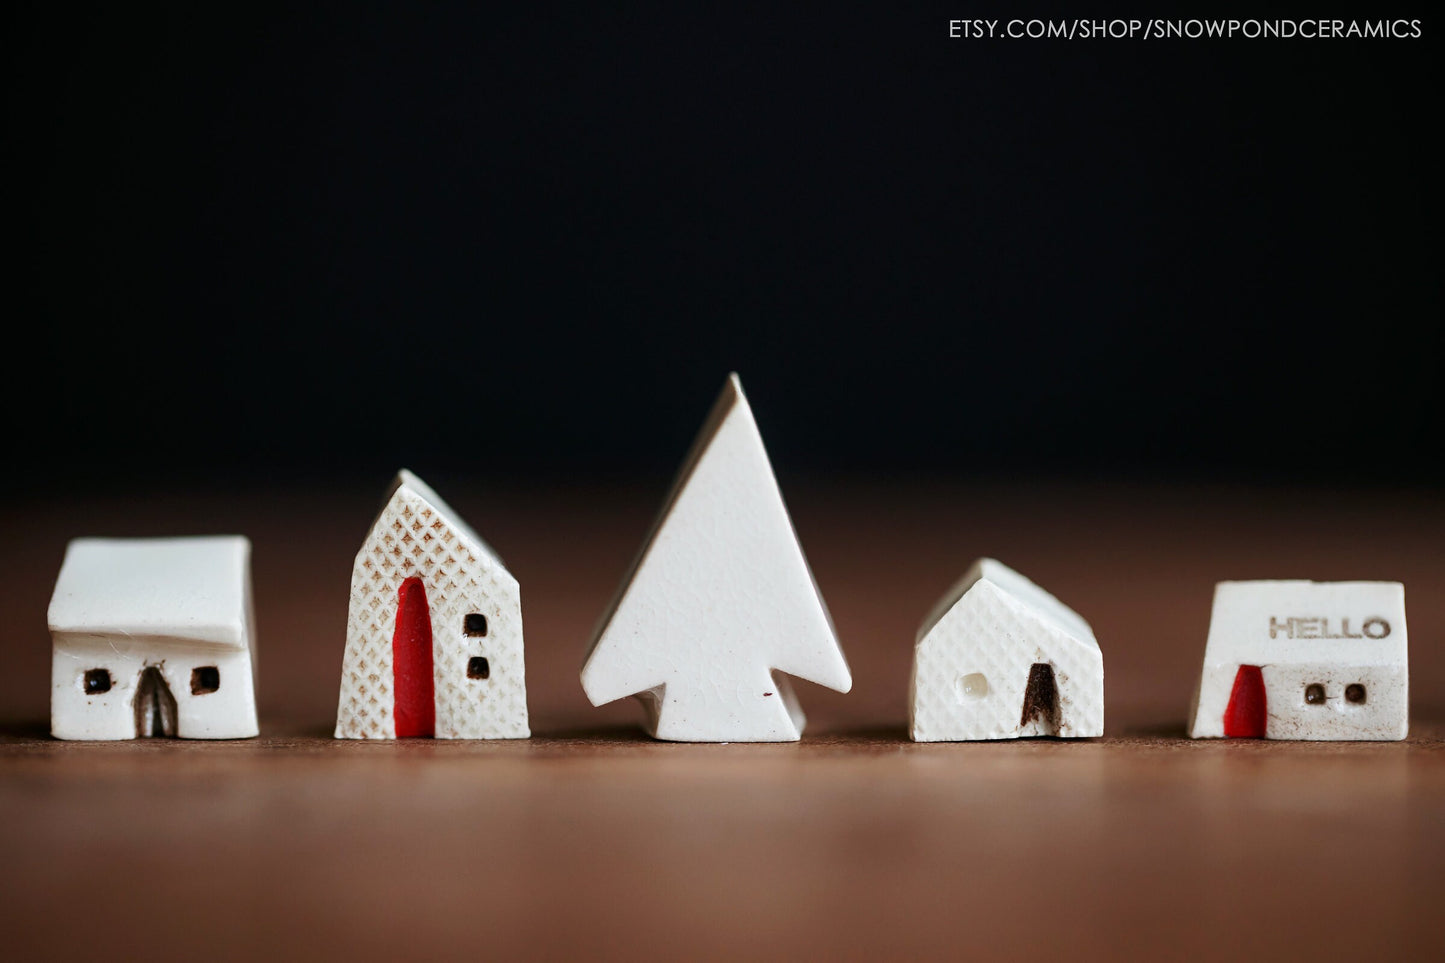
x: 720, y: 602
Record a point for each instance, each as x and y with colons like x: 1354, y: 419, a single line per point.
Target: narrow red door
x: 411, y: 663
x: 1245, y: 716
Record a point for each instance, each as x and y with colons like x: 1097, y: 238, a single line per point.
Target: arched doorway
x: 1041, y: 700
x: 1248, y: 709
x: 155, y: 707
x: 411, y: 662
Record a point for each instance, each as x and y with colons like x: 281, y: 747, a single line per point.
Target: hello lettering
x: 1320, y: 627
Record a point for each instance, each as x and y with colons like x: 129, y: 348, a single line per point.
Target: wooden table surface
x: 590, y: 840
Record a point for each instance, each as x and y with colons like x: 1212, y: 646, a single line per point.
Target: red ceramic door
x: 1247, y: 712
x: 411, y: 662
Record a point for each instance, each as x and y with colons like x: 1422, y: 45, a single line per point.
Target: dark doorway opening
x: 155, y: 707
x: 1041, y: 700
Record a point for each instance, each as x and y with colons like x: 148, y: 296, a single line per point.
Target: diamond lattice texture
x: 992, y: 634
x: 414, y: 537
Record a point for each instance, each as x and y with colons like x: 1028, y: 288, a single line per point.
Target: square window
x: 96, y: 681
x: 476, y: 625
x: 478, y: 668
x: 205, y: 679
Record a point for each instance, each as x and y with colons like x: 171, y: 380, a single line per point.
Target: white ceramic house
x: 999, y: 658
x: 720, y: 606
x: 433, y: 631
x: 1305, y: 660
x: 153, y: 637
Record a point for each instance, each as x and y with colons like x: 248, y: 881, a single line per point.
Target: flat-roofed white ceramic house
x: 1305, y: 660
x: 433, y: 631
x: 153, y: 637
x: 999, y: 658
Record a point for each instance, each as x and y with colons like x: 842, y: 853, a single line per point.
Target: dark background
x: 326, y: 242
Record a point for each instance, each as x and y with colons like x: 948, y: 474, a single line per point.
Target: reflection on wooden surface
x: 592, y: 840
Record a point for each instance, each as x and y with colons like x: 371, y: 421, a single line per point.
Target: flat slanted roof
x: 1295, y: 621
x: 191, y: 589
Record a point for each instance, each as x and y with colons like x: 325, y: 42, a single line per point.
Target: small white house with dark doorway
x: 433, y: 629
x: 1000, y: 658
x: 154, y: 637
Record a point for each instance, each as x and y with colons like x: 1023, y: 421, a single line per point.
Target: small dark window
x: 1354, y: 692
x: 478, y: 668
x: 205, y: 679
x: 476, y: 624
x: 97, y: 681
x: 1315, y: 694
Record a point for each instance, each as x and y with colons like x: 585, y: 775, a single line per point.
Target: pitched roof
x: 406, y: 480
x: 183, y: 589
x: 1019, y: 589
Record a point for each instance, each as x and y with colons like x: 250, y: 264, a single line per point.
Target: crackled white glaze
x: 974, y: 653
x: 1301, y: 634
x: 163, y: 609
x: 419, y: 535
x: 720, y: 603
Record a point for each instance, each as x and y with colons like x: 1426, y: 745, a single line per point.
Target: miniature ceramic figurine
x: 999, y: 658
x: 153, y: 637
x: 1305, y: 660
x: 434, y: 631
x: 720, y: 604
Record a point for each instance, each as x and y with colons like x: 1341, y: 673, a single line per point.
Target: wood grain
x: 591, y: 840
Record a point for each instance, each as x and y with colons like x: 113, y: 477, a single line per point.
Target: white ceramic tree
x: 720, y: 604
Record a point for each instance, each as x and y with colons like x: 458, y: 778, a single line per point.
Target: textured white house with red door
x: 434, y: 629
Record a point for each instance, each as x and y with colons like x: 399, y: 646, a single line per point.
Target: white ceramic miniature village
x: 1000, y: 658
x: 156, y: 637
x: 720, y: 606
x: 153, y: 637
x: 433, y: 631
x: 1305, y: 660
